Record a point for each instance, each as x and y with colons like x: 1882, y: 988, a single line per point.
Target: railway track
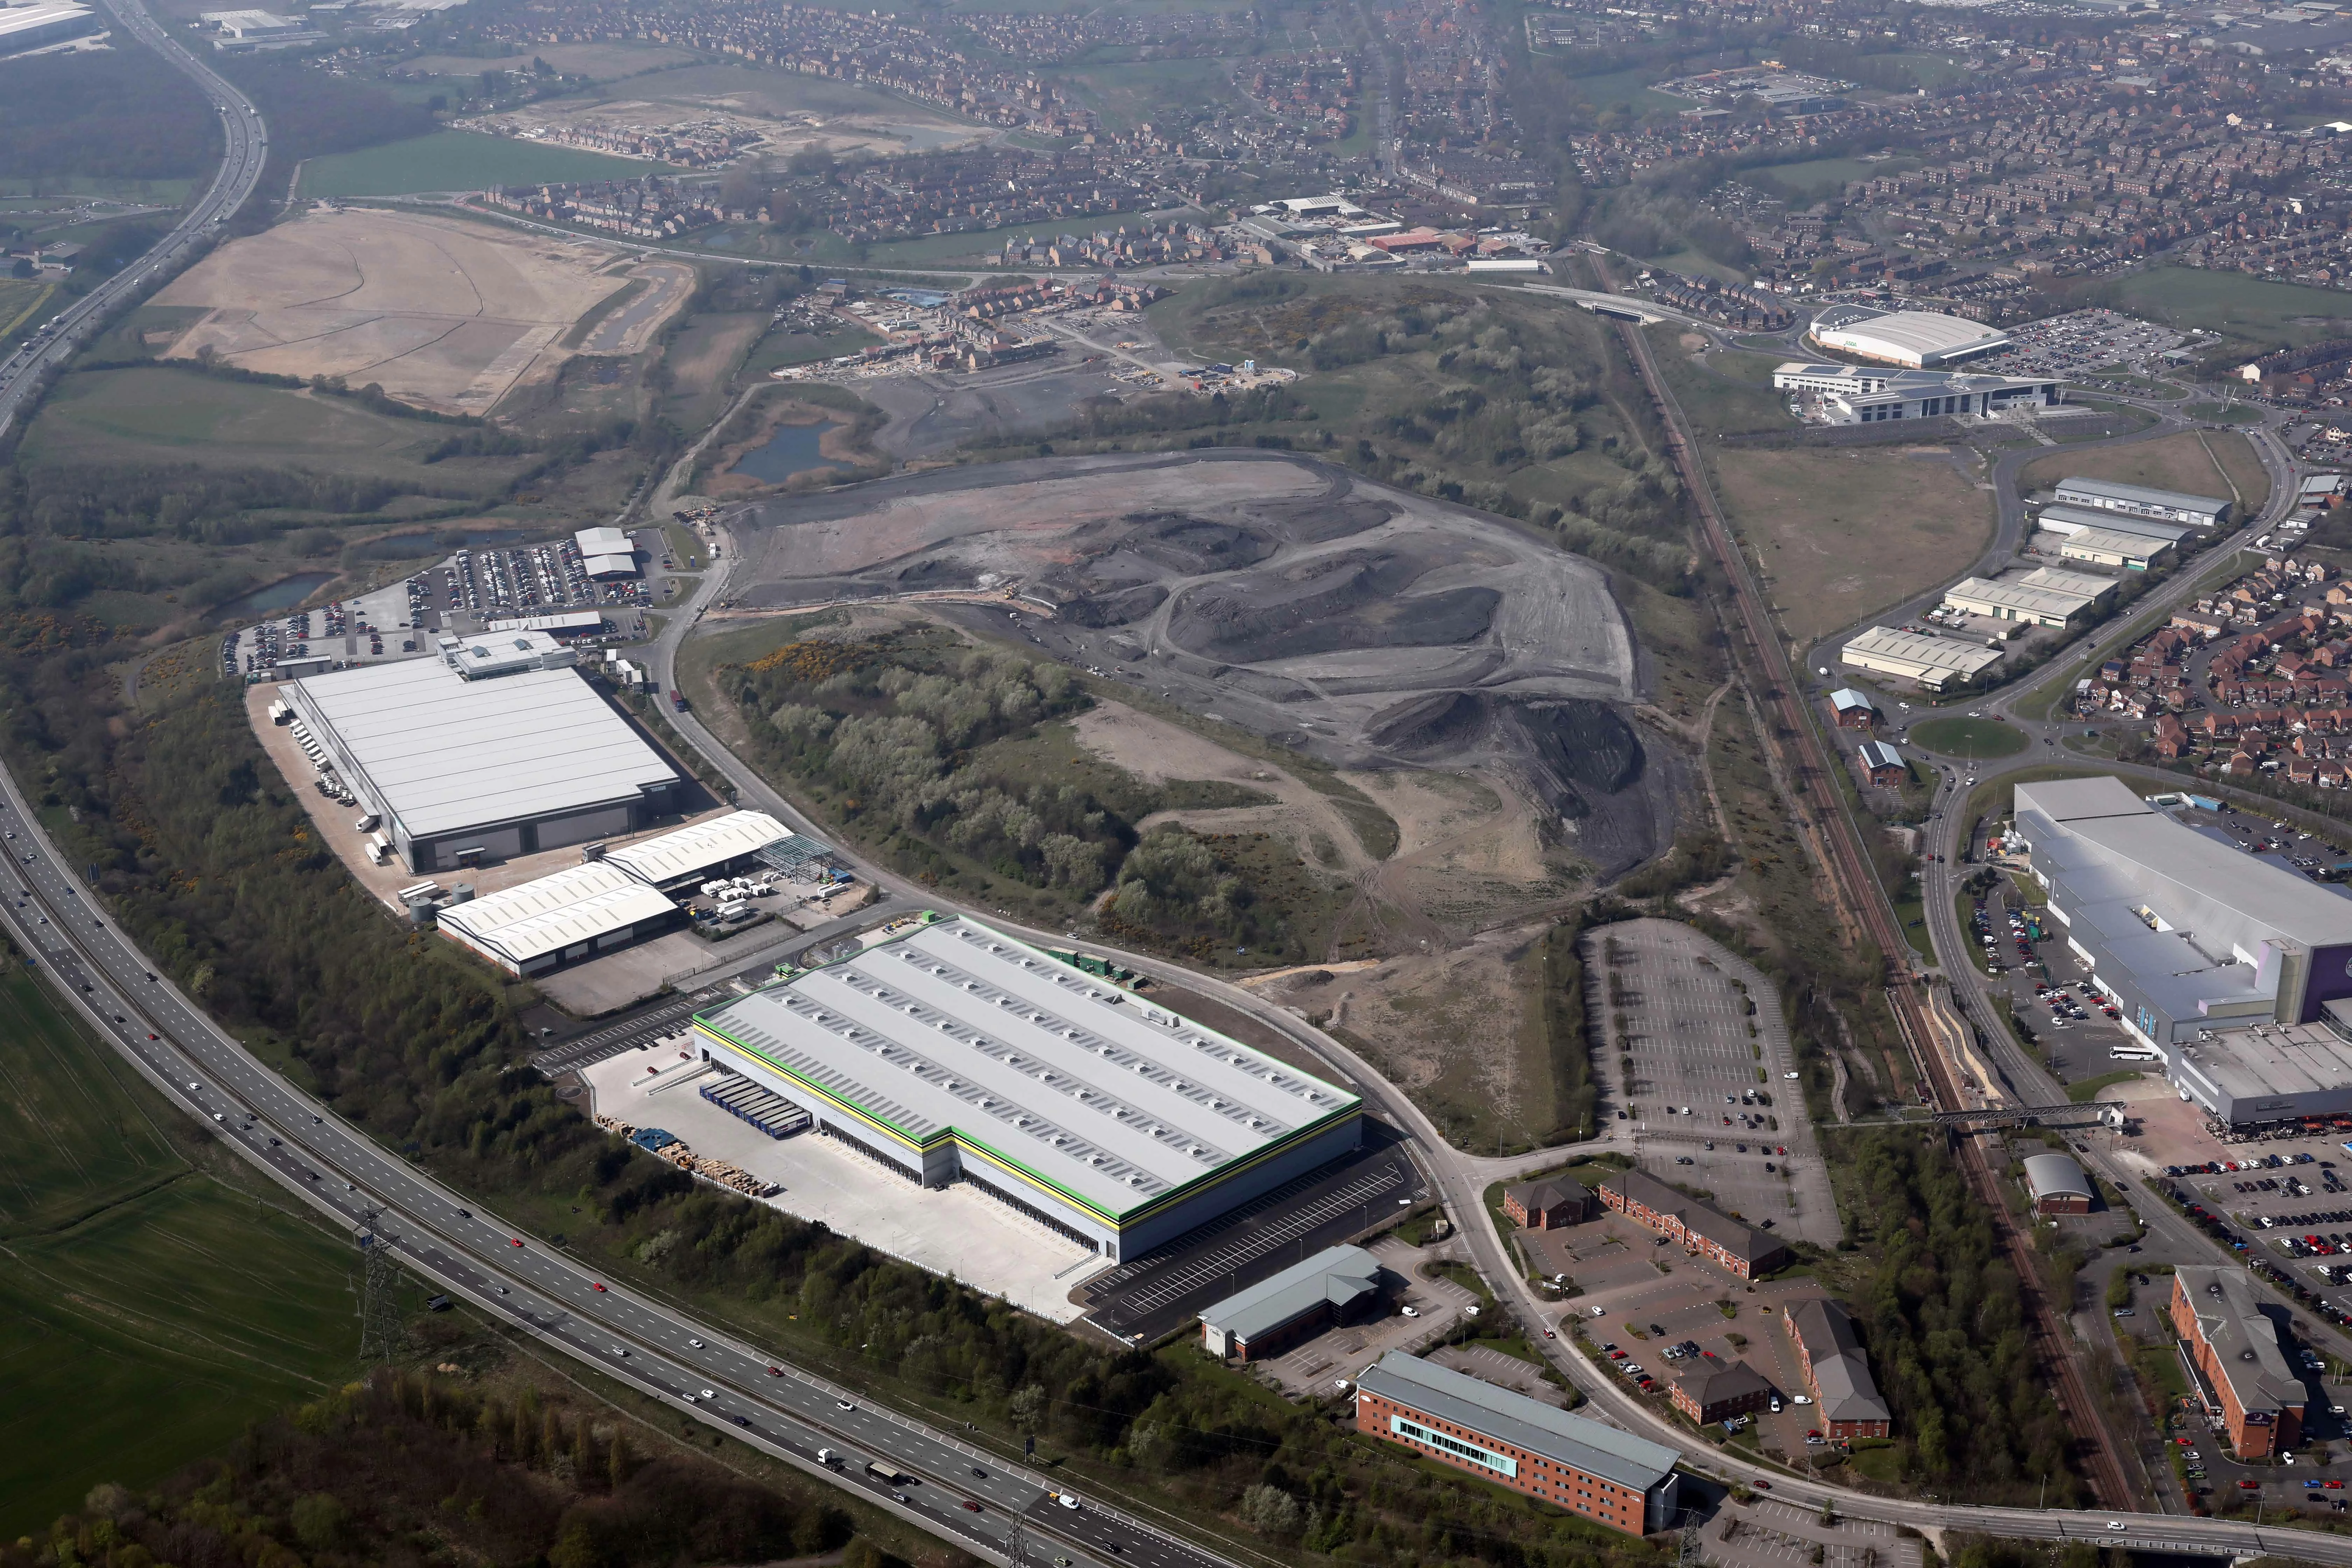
x: 1827, y: 824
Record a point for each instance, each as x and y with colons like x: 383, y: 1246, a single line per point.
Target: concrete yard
x: 1696, y: 1041
x: 1767, y: 1533
x: 954, y: 1231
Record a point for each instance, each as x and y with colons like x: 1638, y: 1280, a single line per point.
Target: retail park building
x: 948, y: 1051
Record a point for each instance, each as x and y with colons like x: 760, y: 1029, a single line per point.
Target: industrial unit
x: 24, y: 29
x: 949, y: 1051
x: 1855, y: 394
x: 611, y: 900
x: 1608, y: 1476
x: 2231, y: 1342
x: 2108, y: 547
x: 2057, y: 1184
x: 2140, y: 500
x: 606, y: 553
x: 2236, y: 969
x: 2045, y: 596
x: 2057, y: 519
x: 1918, y: 340
x: 1933, y: 662
x: 1338, y: 1285
x: 469, y: 759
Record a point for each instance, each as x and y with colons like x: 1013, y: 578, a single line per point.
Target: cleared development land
x: 2200, y: 462
x: 1843, y: 533
x: 441, y: 313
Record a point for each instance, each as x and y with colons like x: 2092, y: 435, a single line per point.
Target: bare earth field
x: 1375, y: 631
x: 2184, y: 461
x: 1843, y: 533
x: 440, y: 312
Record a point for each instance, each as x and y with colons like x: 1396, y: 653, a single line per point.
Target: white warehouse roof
x: 602, y: 541
x: 440, y: 754
x: 1927, y: 659
x: 1920, y: 339
x: 954, y: 1030
x: 550, y: 913
x: 698, y: 846
x: 619, y: 564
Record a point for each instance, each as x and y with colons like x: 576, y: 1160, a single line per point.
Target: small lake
x: 793, y: 449
x: 283, y: 594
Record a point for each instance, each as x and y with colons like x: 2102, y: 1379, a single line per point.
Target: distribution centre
x: 2140, y: 500
x: 2235, y: 967
x: 1933, y: 662
x: 1916, y: 339
x: 950, y: 1051
x: 494, y: 749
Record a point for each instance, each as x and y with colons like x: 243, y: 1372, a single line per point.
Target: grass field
x: 2254, y: 310
x: 161, y: 415
x: 155, y: 1297
x: 2224, y: 413
x: 1720, y: 391
x: 1970, y: 738
x: 1625, y: 89
x: 597, y: 62
x: 1827, y: 176
x: 1843, y: 533
x: 2203, y: 463
x: 458, y: 160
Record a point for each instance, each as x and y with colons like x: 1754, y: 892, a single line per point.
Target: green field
x: 458, y: 160
x: 156, y: 1297
x: 161, y: 415
x: 2254, y: 310
x: 1827, y: 176
x: 1967, y: 737
x: 1626, y: 89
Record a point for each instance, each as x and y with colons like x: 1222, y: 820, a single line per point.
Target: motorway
x: 246, y: 150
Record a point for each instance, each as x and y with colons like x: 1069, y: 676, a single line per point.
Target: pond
x: 793, y: 449
x: 282, y: 595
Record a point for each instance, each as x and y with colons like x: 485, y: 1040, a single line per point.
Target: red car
x: 2333, y: 1485
x: 972, y: 1505
x: 597, y: 1288
x: 1761, y: 1486
x: 512, y: 1241
x: 2250, y: 1486
x: 775, y: 1371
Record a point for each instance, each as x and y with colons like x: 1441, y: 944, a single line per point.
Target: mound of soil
x: 1115, y: 609
x: 1188, y: 545
x: 1348, y: 601
x: 1317, y: 521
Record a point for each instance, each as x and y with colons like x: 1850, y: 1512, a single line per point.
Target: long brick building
x: 2234, y: 1346
x: 1610, y: 1476
x: 1706, y: 1230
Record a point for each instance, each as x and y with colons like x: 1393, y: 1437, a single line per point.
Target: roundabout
x: 1968, y: 738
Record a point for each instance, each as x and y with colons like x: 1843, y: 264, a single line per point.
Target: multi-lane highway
x: 246, y: 148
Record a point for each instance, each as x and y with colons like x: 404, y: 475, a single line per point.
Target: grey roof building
x: 2059, y: 519
x: 1834, y: 1361
x: 1527, y: 1427
x: 2058, y: 1184
x: 1329, y: 1288
x: 2206, y: 948
x: 2141, y: 500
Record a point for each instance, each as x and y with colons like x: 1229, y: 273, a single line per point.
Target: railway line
x: 1829, y: 825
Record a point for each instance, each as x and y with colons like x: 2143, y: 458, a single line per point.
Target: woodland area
x: 119, y: 114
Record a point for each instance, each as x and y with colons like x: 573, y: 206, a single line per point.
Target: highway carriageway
x: 750, y: 1396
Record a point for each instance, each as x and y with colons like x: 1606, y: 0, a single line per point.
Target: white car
x: 1801, y: 1399
x: 1410, y: 1312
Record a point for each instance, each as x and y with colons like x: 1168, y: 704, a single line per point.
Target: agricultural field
x: 2204, y: 463
x: 154, y: 1290
x: 443, y: 313
x: 160, y: 415
x: 2251, y: 312
x: 1840, y: 533
x: 458, y: 160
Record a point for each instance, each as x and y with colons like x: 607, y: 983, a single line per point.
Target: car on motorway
x: 843, y: 1405
x: 696, y: 1343
x: 971, y: 1507
x: 597, y: 1286
x: 1066, y: 1500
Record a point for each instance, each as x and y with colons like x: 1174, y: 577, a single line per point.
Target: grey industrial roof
x: 2283, y: 1060
x: 1921, y: 332
x: 2244, y: 1340
x: 442, y: 754
x: 550, y: 913
x: 2145, y: 494
x: 2055, y: 1177
x: 1339, y: 1276
x: 2111, y: 844
x: 1879, y: 754
x: 2064, y: 519
x: 1526, y: 1424
x: 699, y: 846
x: 952, y: 1027
x: 2115, y: 541
x: 1846, y: 697
x: 1943, y: 656
x: 2016, y: 593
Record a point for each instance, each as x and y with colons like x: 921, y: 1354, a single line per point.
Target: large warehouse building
x: 2236, y: 968
x: 2045, y: 596
x: 493, y: 751
x: 950, y: 1051
x: 2057, y: 519
x: 1915, y: 340
x: 1933, y: 662
x: 2140, y: 500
